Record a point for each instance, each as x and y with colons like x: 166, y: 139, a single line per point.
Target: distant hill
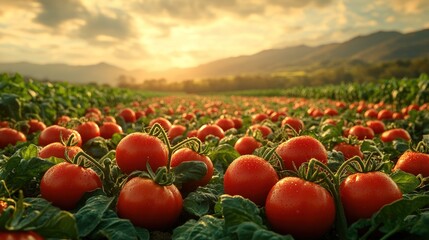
x: 375, y: 47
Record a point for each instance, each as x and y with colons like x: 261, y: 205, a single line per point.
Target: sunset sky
x: 160, y: 34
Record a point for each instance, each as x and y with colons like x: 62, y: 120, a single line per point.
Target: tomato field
x: 333, y: 162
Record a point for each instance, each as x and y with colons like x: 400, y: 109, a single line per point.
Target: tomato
x: 317, y: 113
x: 371, y: 113
x: 10, y: 136
x: 58, y: 150
x: 175, y: 131
x: 109, y: 128
x: 394, y: 134
x: 413, y: 162
x: 259, y: 117
x: 303, y: 209
x: 165, y: 123
x: 238, y: 122
x: 251, y: 177
x: 128, y: 115
x: 210, y: 129
x: 64, y: 184
x: 330, y: 112
x: 140, y: 114
x: 4, y: 124
x: 149, y: 110
x: 385, y: 114
x: 296, y: 123
x: 55, y: 133
x: 109, y: 119
x: 376, y: 125
x: 188, y: 116
x: 298, y: 150
x: 88, y: 130
x: 363, y: 194
x: 35, y: 126
x: 20, y: 235
x: 348, y: 150
x: 246, y: 145
x: 62, y: 120
x: 361, y: 132
x: 192, y: 133
x: 275, y: 116
x: 262, y: 128
x: 186, y: 154
x: 136, y: 149
x: 3, y: 206
x: 93, y: 110
x: 225, y: 123
x: 149, y: 205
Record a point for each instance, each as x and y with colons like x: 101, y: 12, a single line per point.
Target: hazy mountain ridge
x: 375, y: 47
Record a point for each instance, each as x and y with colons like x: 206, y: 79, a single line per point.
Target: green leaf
x: 90, y: 215
x: 407, y: 182
x: 111, y: 227
x: 189, y: 171
x: 201, y: 201
x: 223, y: 155
x: 236, y: 210
x: 253, y: 231
x: 420, y: 227
x: 207, y: 227
x: 390, y: 219
x: 49, y: 221
x: 10, y: 106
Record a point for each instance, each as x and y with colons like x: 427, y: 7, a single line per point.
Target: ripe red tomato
x: 413, y: 162
x: 363, y: 194
x: 4, y: 124
x: 136, y: 149
x: 88, y: 130
x: 371, y: 113
x: 20, y: 235
x: 246, y: 145
x: 225, y: 123
x: 238, y: 122
x: 303, y: 209
x: 64, y: 184
x: 108, y: 129
x: 262, y: 128
x: 361, y: 132
x: 175, y: 131
x: 394, y: 134
x: 62, y: 120
x: 376, y: 125
x: 58, y: 150
x: 165, y: 123
x: 259, y: 117
x: 330, y: 112
x: 35, y: 126
x: 385, y: 114
x: 128, y: 115
x: 140, y: 114
x: 186, y: 154
x: 55, y: 133
x: 348, y: 150
x: 10, y: 136
x: 298, y: 150
x: 149, y: 205
x: 251, y: 177
x: 296, y: 123
x: 210, y: 129
x: 192, y: 133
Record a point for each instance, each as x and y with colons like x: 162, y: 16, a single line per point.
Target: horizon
x: 187, y: 33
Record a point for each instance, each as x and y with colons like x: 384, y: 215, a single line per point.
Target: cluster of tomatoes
x: 293, y: 203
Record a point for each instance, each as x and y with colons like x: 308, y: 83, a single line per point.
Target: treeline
x: 355, y: 71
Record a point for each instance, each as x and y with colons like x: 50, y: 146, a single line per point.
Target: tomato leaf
x: 223, y: 155
x: 251, y: 230
x: 49, y: 221
x: 207, y: 227
x: 10, y: 106
x: 407, y: 182
x: 89, y: 216
x: 201, y: 201
x: 236, y: 210
x: 189, y: 171
x: 392, y: 218
x: 420, y: 226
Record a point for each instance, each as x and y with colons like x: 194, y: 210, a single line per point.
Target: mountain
x: 101, y: 73
x: 376, y: 47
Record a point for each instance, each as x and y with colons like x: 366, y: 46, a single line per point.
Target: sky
x: 156, y: 35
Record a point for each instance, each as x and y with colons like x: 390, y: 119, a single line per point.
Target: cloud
x: 54, y: 13
x: 410, y: 6
x: 107, y: 29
